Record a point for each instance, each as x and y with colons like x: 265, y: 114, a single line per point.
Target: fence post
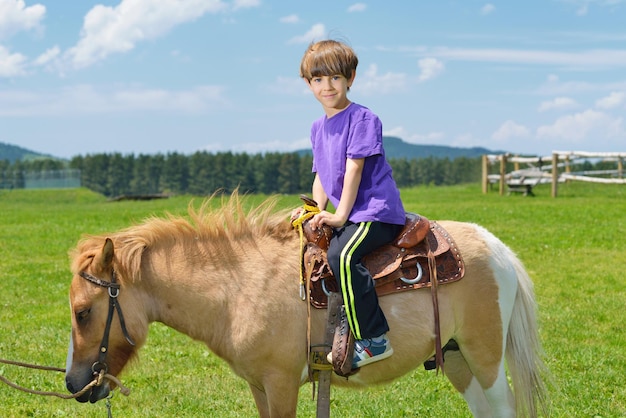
x: 485, y: 179
x: 502, y: 173
x: 555, y: 173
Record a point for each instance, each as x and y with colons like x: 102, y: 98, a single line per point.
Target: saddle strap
x: 432, y: 266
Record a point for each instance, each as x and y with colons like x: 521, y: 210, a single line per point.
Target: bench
x: 523, y: 185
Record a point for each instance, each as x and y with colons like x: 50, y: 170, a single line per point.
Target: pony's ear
x: 106, y: 257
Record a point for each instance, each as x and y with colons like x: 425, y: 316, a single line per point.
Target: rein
x: 97, y: 381
x: 114, y: 291
x: 307, y: 213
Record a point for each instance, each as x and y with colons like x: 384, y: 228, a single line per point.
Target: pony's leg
x: 461, y: 377
x: 477, y: 401
x: 500, y: 397
x: 261, y: 402
x: 282, y: 397
x: 485, y: 396
x: 276, y: 401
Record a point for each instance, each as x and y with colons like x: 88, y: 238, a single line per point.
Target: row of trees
x: 203, y: 173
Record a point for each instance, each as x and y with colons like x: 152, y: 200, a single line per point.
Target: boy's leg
x: 349, y: 245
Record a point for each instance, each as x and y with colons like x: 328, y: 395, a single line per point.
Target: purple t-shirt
x: 354, y: 133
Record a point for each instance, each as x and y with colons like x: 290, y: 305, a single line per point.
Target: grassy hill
x: 14, y: 153
x: 394, y: 148
x: 397, y: 148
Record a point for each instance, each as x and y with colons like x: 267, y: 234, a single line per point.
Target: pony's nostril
x: 69, y: 386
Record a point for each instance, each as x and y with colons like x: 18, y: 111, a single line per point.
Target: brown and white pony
x: 229, y: 278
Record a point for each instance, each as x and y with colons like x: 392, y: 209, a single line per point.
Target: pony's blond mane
x: 220, y: 228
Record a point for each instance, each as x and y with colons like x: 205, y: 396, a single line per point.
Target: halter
x: 114, y: 291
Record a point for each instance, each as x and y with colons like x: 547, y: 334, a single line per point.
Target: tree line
x: 203, y: 173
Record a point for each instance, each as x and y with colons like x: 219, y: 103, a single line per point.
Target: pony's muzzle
x: 76, y: 384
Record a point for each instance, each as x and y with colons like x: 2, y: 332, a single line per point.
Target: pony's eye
x: 82, y: 315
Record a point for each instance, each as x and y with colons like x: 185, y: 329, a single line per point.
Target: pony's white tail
x: 523, y: 350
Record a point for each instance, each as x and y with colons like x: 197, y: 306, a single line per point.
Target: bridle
x: 113, y: 288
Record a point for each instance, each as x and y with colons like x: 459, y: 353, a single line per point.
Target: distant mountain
x: 14, y: 153
x: 394, y: 148
x: 397, y: 148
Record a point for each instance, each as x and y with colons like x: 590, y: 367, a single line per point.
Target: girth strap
x: 432, y: 266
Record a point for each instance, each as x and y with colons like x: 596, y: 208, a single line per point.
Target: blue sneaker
x: 370, y: 350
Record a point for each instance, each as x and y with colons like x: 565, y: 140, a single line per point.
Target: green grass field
x: 573, y: 247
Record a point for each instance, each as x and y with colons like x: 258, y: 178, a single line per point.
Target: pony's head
x: 107, y: 326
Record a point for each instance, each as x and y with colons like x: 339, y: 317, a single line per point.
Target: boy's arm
x: 319, y: 195
x: 351, y: 183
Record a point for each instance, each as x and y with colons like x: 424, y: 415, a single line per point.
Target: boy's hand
x: 295, y: 214
x: 326, y: 218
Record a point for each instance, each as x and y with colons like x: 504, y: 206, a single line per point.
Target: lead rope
x: 97, y: 381
x: 305, y: 288
x: 108, y: 405
x: 308, y: 212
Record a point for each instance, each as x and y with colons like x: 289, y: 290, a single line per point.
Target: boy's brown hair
x: 326, y: 58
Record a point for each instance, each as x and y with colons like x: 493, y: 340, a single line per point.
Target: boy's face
x: 332, y: 92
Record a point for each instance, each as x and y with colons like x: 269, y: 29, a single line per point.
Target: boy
x: 352, y: 173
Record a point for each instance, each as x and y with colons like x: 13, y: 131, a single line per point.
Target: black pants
x: 348, y: 246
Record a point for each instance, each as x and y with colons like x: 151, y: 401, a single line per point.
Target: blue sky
x: 159, y: 76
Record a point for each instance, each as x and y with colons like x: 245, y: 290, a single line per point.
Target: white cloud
x: 287, y: 85
x: 613, y: 100
x: 256, y: 147
x: 487, y: 9
x: 587, y: 125
x: 316, y: 33
x: 554, y: 87
x: 582, y: 6
x: 509, y: 130
x: 401, y: 132
x: 429, y: 68
x: 290, y: 19
x: 87, y: 99
x: 194, y: 100
x: 50, y: 55
x: 553, y: 78
x: 594, y: 58
x: 107, y: 30
x: 557, y: 103
x: 398, y: 131
x: 466, y: 140
x: 370, y: 82
x: 245, y: 4
x: 15, y: 17
x: 11, y: 65
x: 357, y: 7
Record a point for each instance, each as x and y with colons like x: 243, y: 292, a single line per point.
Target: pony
x: 228, y: 276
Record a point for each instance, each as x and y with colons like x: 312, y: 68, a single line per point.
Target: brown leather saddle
x: 399, y: 266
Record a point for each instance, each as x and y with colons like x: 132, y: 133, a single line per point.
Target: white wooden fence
x: 554, y: 169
